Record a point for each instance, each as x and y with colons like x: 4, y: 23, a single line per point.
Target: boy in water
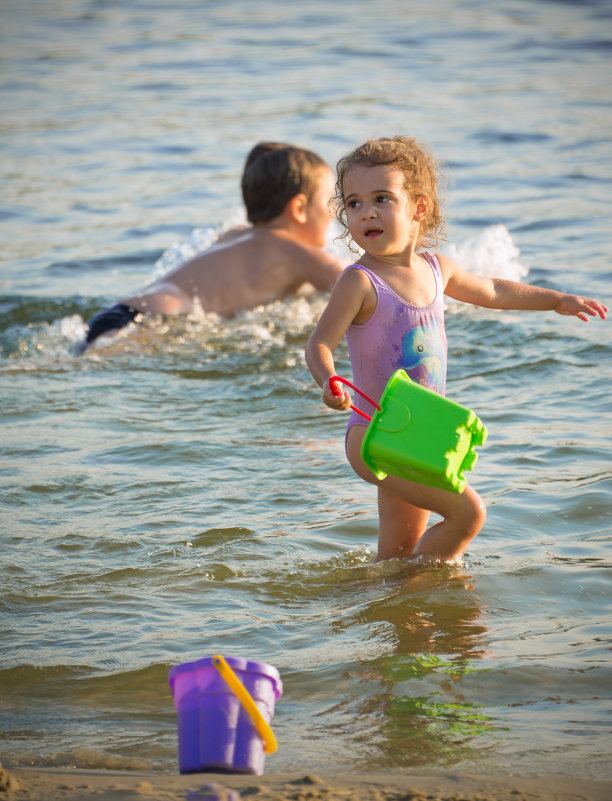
x: 286, y: 191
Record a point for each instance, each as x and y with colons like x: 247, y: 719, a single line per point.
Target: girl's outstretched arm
x: 498, y: 293
x: 347, y: 301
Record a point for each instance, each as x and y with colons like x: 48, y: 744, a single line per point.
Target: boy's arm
x: 321, y: 270
x: 498, y: 293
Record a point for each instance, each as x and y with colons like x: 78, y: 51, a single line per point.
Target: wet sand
x: 52, y: 784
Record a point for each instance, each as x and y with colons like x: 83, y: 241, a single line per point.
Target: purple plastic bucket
x: 215, y: 733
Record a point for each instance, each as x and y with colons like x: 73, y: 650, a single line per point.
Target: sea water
x: 180, y: 490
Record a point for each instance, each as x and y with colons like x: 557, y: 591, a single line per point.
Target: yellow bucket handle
x: 262, y: 726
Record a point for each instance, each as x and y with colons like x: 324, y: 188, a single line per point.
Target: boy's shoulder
x: 275, y: 242
x: 267, y: 251
x: 307, y: 262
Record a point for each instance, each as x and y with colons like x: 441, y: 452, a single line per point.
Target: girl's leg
x: 400, y: 525
x: 463, y: 515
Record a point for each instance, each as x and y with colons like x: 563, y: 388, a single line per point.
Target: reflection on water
x: 411, y: 709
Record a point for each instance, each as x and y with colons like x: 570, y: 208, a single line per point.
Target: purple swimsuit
x: 397, y: 335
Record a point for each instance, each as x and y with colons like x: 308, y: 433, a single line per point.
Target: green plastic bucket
x: 420, y: 436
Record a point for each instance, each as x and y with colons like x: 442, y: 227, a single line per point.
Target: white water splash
x: 178, y: 253
x: 491, y: 253
x: 72, y: 328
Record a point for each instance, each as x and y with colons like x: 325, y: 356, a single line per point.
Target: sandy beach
x: 51, y: 784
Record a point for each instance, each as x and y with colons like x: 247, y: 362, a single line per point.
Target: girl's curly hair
x: 421, y: 177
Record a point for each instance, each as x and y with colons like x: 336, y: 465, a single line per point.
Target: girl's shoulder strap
x: 435, y: 266
x: 372, y: 276
x: 433, y: 260
x: 356, y: 266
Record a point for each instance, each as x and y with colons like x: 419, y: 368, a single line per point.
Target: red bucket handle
x: 334, y: 391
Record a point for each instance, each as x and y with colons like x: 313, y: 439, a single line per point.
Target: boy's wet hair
x: 421, y: 177
x: 275, y: 172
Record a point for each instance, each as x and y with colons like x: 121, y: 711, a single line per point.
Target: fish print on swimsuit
x: 423, y: 356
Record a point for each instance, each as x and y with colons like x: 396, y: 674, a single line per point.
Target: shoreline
x: 58, y: 784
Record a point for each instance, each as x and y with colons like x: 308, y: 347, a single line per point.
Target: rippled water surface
x: 180, y: 491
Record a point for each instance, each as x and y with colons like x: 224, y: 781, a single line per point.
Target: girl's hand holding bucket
x: 334, y: 396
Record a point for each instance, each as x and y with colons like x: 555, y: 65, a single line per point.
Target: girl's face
x: 379, y: 212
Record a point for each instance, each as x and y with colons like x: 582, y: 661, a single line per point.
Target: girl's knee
x: 475, y: 509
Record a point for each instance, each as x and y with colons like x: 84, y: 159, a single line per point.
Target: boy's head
x: 416, y: 164
x: 275, y: 172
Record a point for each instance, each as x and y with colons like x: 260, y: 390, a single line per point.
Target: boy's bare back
x: 246, y: 268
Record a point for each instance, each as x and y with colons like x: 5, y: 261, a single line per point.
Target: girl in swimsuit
x: 390, y: 307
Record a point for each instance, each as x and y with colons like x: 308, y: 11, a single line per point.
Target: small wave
x: 491, y: 254
x: 491, y: 136
x: 41, y: 345
x: 87, y: 759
